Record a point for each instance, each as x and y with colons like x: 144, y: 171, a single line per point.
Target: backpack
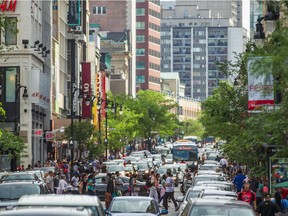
x: 148, y: 182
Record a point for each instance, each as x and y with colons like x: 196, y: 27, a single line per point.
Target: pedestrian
x: 259, y: 192
x: 267, y: 208
x: 62, y: 187
x: 75, y: 183
x: 90, y: 185
x: 153, y: 190
x: 163, y: 188
x: 135, y: 188
x: 109, y: 190
x: 83, y: 184
x: 248, y: 196
x: 169, y: 193
x: 239, y: 180
x: 118, y: 184
x: 50, y: 182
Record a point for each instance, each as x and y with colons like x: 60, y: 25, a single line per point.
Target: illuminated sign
x: 74, y: 13
x: 8, y: 5
x: 189, y: 148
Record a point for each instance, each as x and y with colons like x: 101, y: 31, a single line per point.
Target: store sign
x: 188, y: 148
x: 260, y: 87
x: 74, y: 13
x: 38, y: 132
x: 49, y: 135
x: 86, y: 89
x: 8, y: 5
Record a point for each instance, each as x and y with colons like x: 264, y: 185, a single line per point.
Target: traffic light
x: 271, y: 150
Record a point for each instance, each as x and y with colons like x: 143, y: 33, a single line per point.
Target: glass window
x: 99, y: 10
x: 140, y: 52
x: 140, y: 11
x: 140, y: 79
x: 140, y: 38
x: 140, y: 65
x: 10, y: 84
x: 140, y: 25
x: 11, y: 31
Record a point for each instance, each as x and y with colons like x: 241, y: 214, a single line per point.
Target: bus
x: 187, y: 151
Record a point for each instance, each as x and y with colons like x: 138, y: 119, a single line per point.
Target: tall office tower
x: 117, y: 16
x: 193, y: 43
x: 148, y: 44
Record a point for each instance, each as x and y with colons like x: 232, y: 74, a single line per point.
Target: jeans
x: 165, y: 199
x: 153, y: 193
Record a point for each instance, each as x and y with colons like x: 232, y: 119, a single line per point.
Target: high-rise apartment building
x: 193, y: 43
x: 148, y: 44
x: 117, y: 16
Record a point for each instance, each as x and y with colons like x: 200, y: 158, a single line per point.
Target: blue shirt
x: 238, y: 181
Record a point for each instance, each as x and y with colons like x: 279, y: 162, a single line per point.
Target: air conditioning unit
x: 78, y: 29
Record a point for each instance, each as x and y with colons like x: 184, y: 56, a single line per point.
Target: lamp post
x: 18, y: 86
x: 72, y: 115
x: 113, y: 107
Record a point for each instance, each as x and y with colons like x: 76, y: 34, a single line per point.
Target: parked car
x: 52, y: 211
x: 221, y: 194
x: 91, y: 203
x: 10, y: 192
x: 212, y: 207
x: 19, y: 176
x: 101, y: 186
x: 134, y: 205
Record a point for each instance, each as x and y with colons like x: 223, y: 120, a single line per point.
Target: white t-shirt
x: 223, y: 161
x: 62, y: 186
x: 74, y: 182
x: 169, y: 184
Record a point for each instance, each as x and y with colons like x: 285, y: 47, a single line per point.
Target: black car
x: 101, y: 185
x: 10, y: 192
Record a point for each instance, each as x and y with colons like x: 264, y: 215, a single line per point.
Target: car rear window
x: 224, y: 210
x: 18, y: 177
x: 15, y: 191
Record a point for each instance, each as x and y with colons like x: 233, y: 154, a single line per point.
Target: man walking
x: 267, y: 207
x: 153, y: 190
x: 50, y: 181
x: 169, y: 191
x: 248, y: 196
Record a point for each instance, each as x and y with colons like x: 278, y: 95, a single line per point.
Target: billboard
x: 86, y: 89
x: 74, y: 13
x: 279, y: 172
x: 260, y: 86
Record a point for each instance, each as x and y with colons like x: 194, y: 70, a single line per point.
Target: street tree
x: 83, y: 133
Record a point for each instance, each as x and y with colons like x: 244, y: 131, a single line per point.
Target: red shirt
x: 247, y: 196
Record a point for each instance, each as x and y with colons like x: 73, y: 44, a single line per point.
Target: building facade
x: 148, y: 64
x: 193, y: 45
x: 117, y: 17
x: 26, y: 74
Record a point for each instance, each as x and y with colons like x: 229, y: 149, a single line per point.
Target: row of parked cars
x: 210, y: 193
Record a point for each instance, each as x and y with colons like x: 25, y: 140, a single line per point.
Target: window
x: 99, y: 10
x: 140, y: 79
x: 140, y: 52
x: 140, y: 11
x: 140, y: 25
x: 140, y: 38
x: 140, y: 65
x: 11, y: 31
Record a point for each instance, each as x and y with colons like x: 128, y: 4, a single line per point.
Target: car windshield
x: 163, y: 170
x: 128, y: 168
x: 169, y: 156
x: 133, y: 206
x: 193, y: 194
x: 18, y: 177
x: 206, y: 178
x: 8, y: 191
x: 185, y: 155
x: 115, y: 168
x: 221, y: 211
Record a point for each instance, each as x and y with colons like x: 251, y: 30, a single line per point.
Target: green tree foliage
x: 83, y: 133
x: 192, y: 127
x: 226, y: 116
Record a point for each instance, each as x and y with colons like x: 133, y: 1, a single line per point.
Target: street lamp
x: 113, y: 108
x: 72, y: 115
x: 25, y: 96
